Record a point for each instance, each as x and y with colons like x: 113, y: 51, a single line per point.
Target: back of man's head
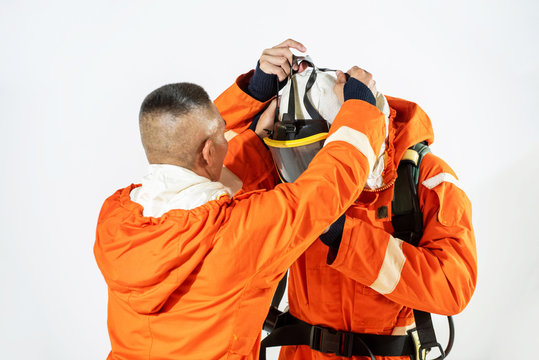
x: 174, y: 122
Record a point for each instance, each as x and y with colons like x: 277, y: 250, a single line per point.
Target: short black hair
x: 176, y: 99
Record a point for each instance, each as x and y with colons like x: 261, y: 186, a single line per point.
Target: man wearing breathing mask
x: 353, y: 293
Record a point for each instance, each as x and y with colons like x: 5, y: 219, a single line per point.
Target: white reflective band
x: 434, y: 181
x: 402, y: 330
x: 390, y: 272
x: 230, y: 134
x: 355, y: 138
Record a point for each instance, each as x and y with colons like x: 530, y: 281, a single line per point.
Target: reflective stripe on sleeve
x: 355, y: 138
x: 230, y: 134
x: 390, y: 272
x: 434, y: 181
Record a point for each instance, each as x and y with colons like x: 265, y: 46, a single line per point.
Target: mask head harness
x: 295, y: 141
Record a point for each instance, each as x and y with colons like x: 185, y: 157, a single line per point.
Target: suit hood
x: 145, y: 259
x: 408, y: 125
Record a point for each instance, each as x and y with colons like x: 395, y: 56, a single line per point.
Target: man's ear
x: 208, y: 151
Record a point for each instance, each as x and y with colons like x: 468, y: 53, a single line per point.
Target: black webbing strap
x: 289, y: 118
x: 426, y: 334
x: 313, y: 113
x: 292, y: 98
x: 279, y: 292
x: 273, y: 313
x: 292, y: 331
x: 407, y: 221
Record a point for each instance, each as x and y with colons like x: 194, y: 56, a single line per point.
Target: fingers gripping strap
x: 355, y: 138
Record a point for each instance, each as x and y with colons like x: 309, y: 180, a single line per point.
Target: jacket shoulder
x: 432, y: 165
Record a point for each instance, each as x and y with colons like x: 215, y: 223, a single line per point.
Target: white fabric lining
x: 375, y: 179
x: 168, y: 187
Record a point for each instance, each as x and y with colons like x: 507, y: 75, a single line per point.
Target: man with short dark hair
x: 166, y: 115
x: 190, y: 268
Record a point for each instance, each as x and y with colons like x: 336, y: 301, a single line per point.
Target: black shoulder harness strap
x: 407, y: 221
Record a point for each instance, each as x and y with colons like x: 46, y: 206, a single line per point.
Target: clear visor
x: 292, y: 159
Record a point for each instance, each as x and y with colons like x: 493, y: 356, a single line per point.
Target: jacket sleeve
x: 238, y: 108
x: 250, y: 161
x: 438, y: 276
x: 248, y: 164
x: 272, y: 229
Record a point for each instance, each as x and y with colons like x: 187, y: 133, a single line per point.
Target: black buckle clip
x: 284, y: 130
x: 425, y: 349
x: 331, y: 341
x: 271, y: 319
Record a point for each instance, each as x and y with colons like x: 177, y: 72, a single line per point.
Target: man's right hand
x: 278, y: 59
x: 273, y: 62
x: 359, y: 74
x: 266, y: 120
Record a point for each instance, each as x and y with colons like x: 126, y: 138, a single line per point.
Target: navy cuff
x: 355, y: 89
x: 333, y: 236
x: 262, y: 86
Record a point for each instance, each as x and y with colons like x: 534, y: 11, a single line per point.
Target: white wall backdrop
x: 72, y: 77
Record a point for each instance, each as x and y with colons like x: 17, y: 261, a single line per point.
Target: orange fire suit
x: 196, y: 284
x: 376, y: 280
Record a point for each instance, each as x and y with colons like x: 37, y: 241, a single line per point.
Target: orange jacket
x: 196, y: 284
x: 376, y: 280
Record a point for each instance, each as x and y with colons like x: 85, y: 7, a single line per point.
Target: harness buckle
x: 422, y: 350
x: 329, y: 341
x: 426, y: 348
x: 271, y: 319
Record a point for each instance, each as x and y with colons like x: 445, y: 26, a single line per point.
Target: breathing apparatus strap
x: 271, y: 318
x: 407, y: 218
x: 310, y: 82
x: 290, y: 330
x: 426, y: 335
x: 289, y: 118
x: 313, y: 113
x: 407, y: 224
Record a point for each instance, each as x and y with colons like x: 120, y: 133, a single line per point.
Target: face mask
x: 307, y: 108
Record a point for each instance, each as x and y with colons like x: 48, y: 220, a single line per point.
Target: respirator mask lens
x: 293, y: 157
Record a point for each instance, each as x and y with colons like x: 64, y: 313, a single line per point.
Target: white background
x: 73, y: 75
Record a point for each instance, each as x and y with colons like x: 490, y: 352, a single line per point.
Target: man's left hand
x: 278, y: 59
